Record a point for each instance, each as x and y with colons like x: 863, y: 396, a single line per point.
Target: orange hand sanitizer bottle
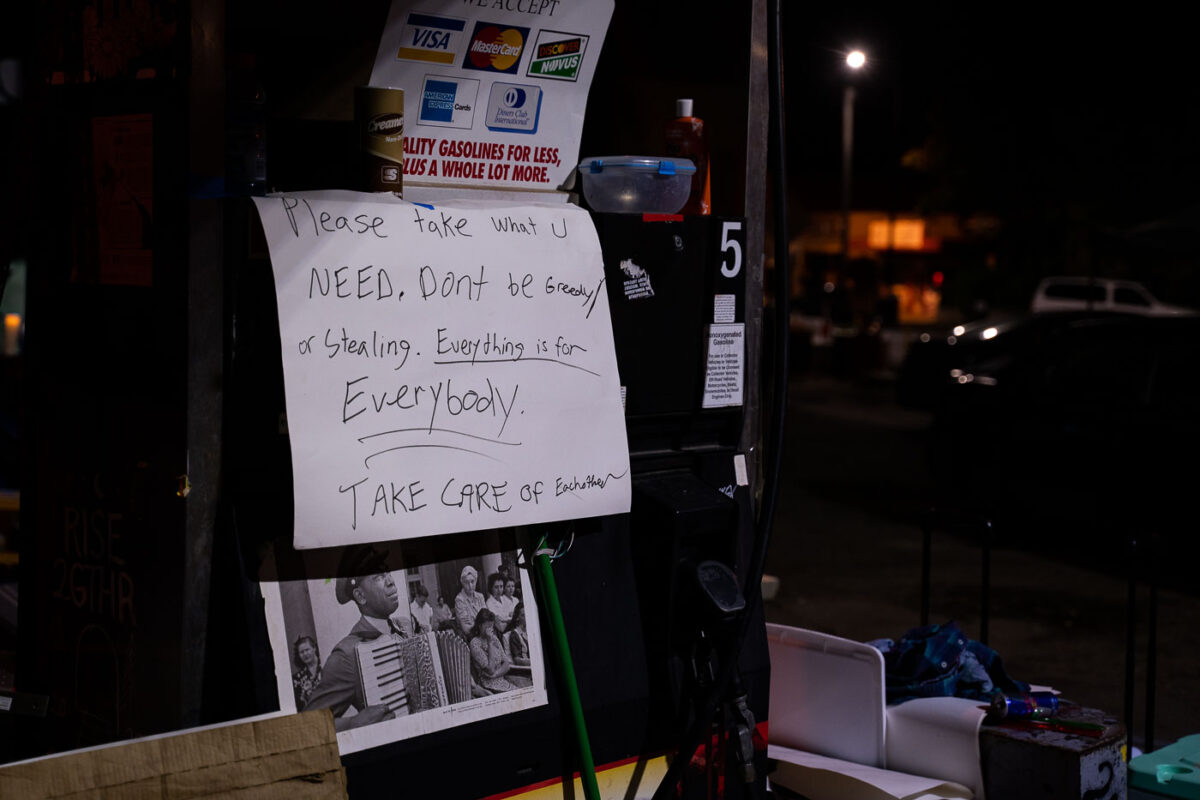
x: 686, y: 138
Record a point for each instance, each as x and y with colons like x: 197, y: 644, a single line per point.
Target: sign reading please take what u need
x: 446, y: 369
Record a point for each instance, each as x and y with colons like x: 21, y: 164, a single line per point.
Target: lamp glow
x: 12, y: 334
x: 856, y: 59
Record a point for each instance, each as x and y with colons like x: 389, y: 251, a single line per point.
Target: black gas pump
x: 670, y: 282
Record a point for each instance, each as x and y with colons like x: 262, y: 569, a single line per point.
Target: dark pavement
x: 847, y: 549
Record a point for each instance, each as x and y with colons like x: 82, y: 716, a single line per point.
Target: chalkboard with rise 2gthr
x: 102, y: 597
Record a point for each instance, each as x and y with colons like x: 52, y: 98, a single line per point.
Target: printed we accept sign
x: 494, y: 90
x: 446, y: 369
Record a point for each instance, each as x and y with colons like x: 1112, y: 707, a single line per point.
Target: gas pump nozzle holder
x: 719, y: 586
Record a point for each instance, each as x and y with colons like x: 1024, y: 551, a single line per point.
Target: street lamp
x: 855, y: 61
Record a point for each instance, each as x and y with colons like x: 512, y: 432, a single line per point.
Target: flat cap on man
x: 358, y: 561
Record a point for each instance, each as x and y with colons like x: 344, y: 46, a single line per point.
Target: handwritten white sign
x: 446, y: 369
x: 494, y: 92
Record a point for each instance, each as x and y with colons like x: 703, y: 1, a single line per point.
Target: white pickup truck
x: 1069, y: 293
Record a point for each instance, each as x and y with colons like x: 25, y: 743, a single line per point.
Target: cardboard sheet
x: 823, y: 778
x: 273, y: 757
x: 937, y: 736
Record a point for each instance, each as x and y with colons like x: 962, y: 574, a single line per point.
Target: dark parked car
x: 1087, y: 421
x: 924, y: 373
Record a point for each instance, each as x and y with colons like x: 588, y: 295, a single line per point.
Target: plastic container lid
x: 660, y: 166
x: 1173, y: 771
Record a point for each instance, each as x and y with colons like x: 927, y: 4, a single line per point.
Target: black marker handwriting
x: 512, y: 360
x: 437, y: 430
x: 367, y: 460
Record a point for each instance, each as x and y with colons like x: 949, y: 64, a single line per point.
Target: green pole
x: 566, y: 671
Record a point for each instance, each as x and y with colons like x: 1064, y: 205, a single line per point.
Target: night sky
x: 1091, y: 114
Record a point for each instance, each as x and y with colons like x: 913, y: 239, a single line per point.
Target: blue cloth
x: 940, y: 661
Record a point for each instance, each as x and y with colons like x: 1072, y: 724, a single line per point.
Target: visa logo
x: 431, y: 39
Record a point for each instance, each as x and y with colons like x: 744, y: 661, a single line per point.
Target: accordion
x: 415, y: 674
x: 455, y: 657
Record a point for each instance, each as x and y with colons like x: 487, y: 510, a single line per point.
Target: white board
x: 494, y: 91
x: 446, y: 369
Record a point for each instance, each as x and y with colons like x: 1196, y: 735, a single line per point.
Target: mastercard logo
x: 496, y: 48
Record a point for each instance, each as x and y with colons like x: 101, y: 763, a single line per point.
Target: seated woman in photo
x: 517, y: 637
x: 468, y: 602
x: 497, y: 603
x: 510, y: 592
x: 490, y: 659
x: 307, y: 660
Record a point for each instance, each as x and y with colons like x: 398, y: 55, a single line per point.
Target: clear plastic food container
x: 636, y: 184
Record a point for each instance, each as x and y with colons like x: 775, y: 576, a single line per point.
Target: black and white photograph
x: 396, y: 650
